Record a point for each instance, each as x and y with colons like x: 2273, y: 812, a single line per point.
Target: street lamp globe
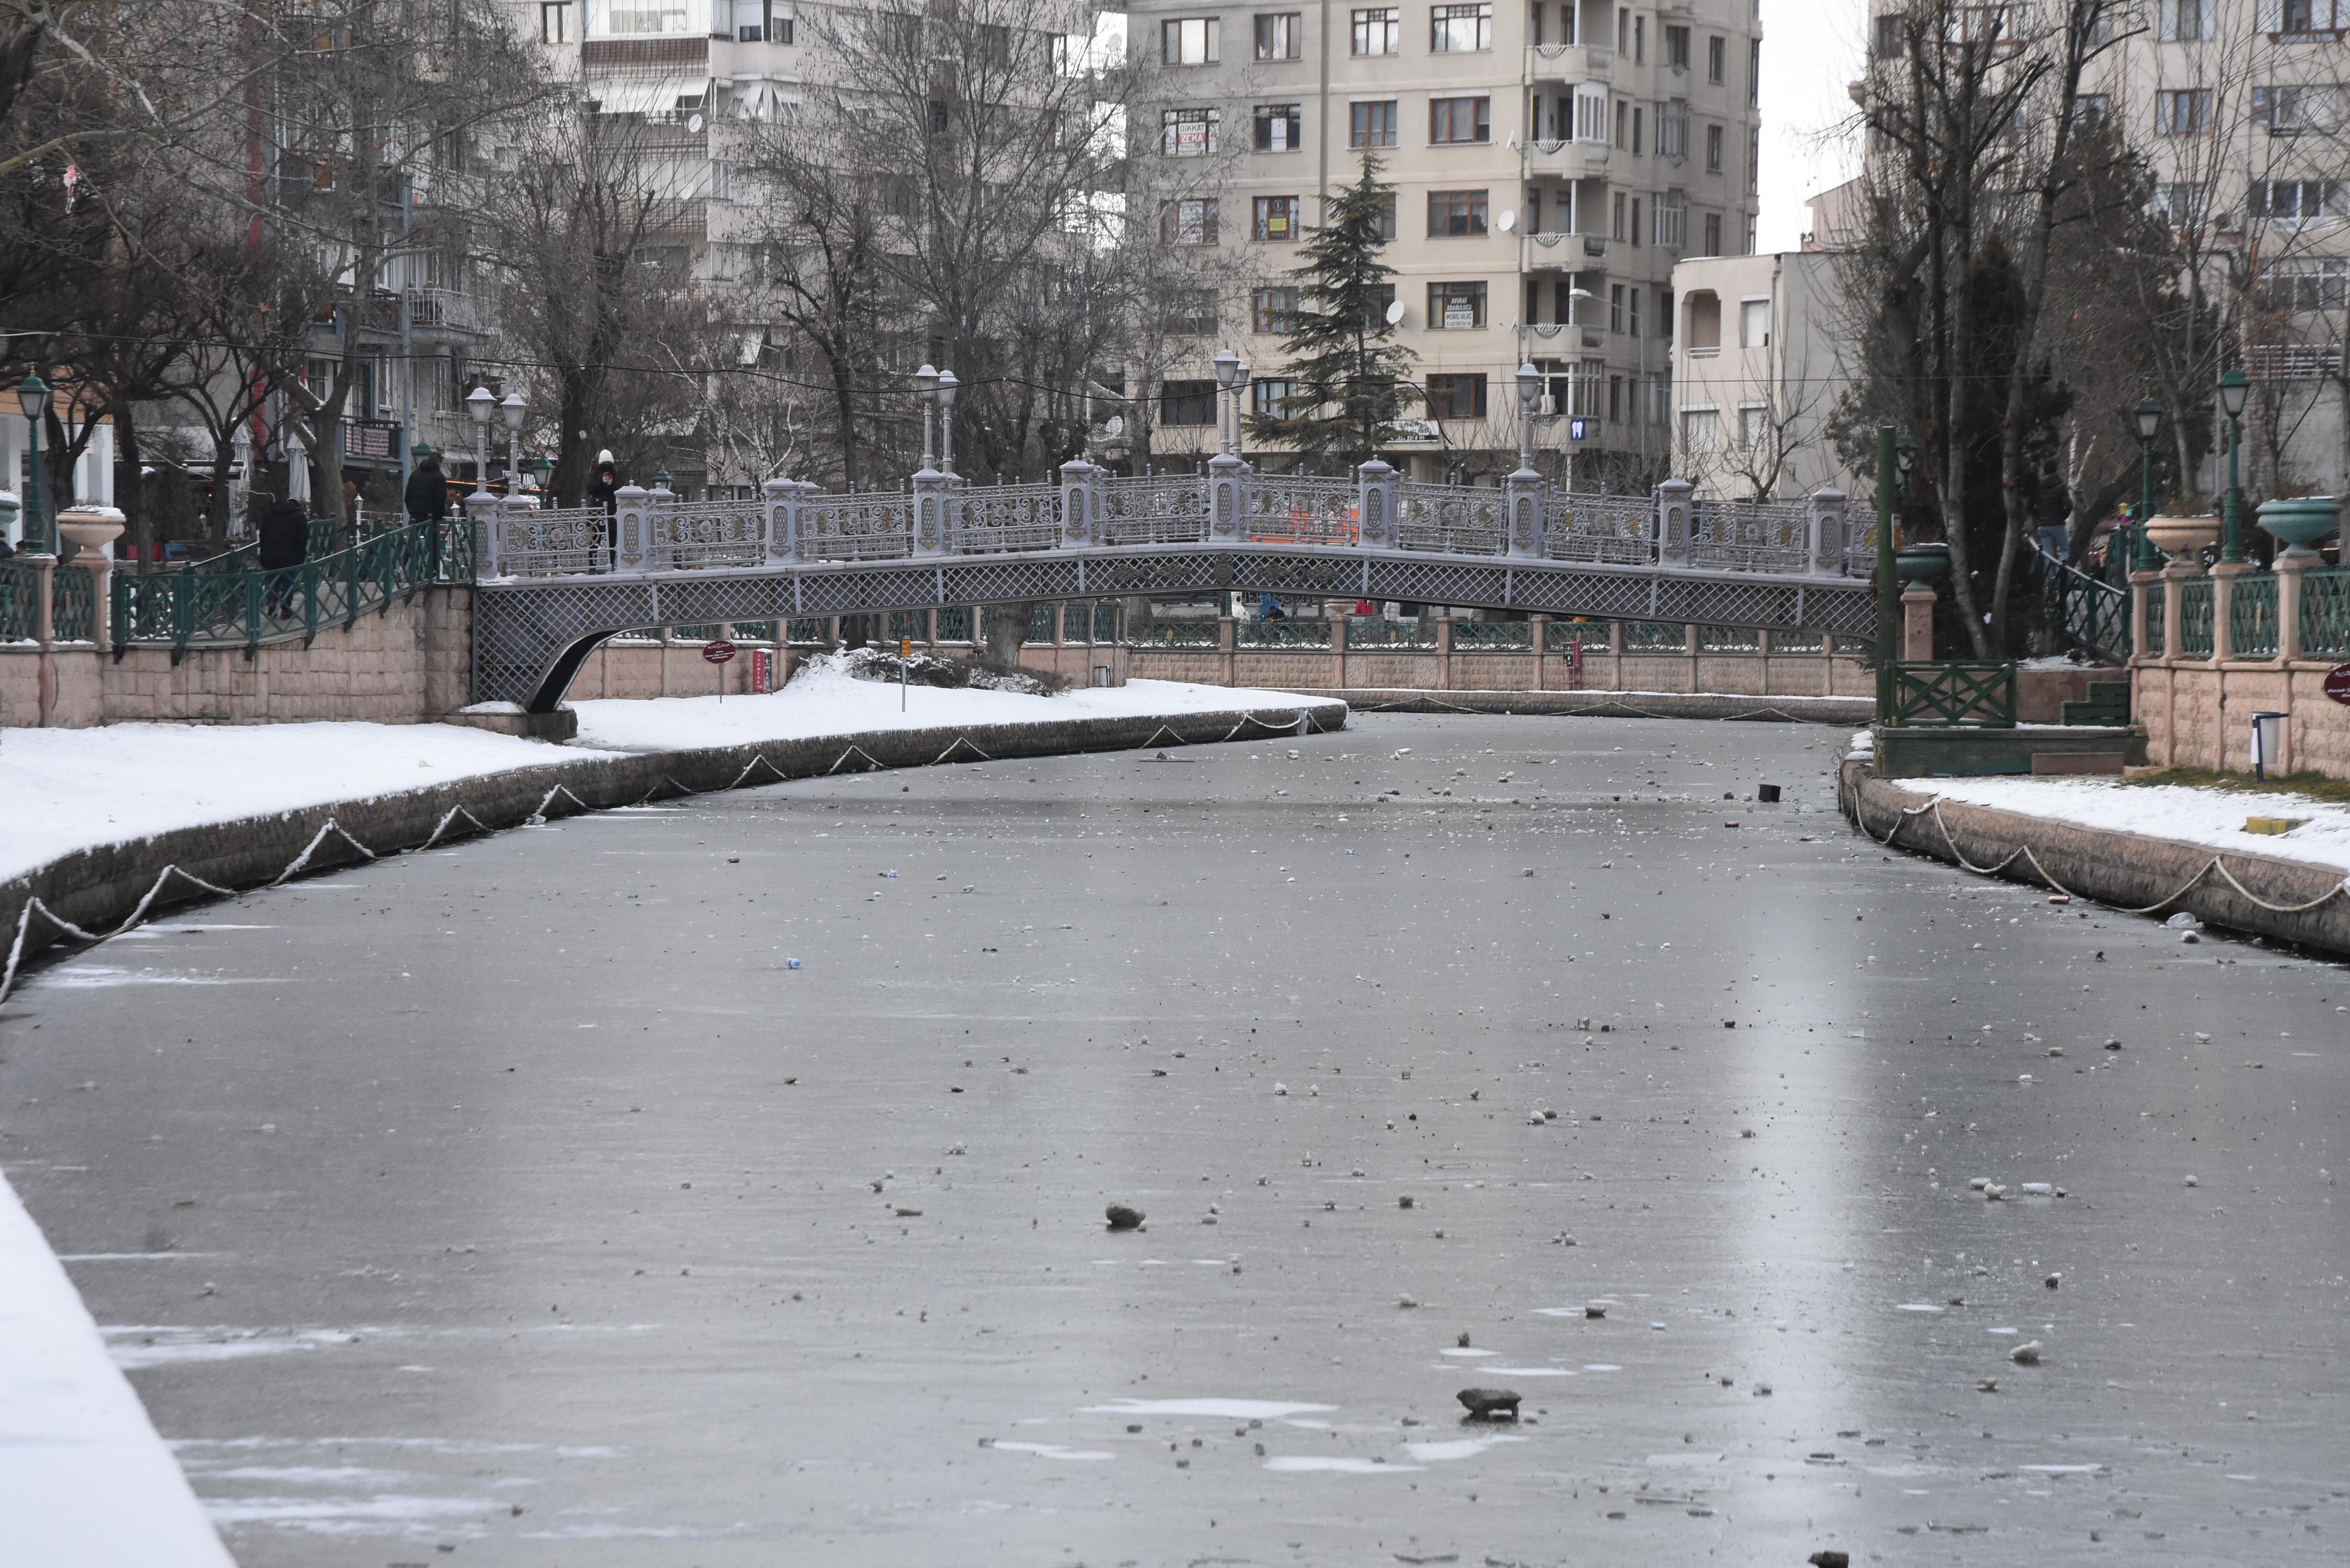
x: 2234, y: 388
x: 478, y: 403
x: 514, y: 409
x: 1529, y: 384
x: 1228, y: 369
x: 947, y: 385
x: 926, y: 381
x: 33, y: 397
x: 2150, y: 418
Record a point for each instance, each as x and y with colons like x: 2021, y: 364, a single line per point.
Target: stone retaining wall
x: 98, y: 888
x: 2127, y: 871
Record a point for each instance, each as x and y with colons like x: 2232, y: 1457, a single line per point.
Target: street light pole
x: 1529, y: 393
x: 926, y: 392
x: 516, y: 411
x: 947, y: 385
x: 1888, y: 603
x: 2233, y: 390
x: 33, y: 398
x: 1228, y: 380
x: 2149, y: 421
x: 478, y: 403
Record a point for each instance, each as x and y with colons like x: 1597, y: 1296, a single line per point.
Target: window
x: 2300, y: 18
x: 1274, y: 219
x: 554, y: 23
x: 1458, y: 29
x: 2091, y: 110
x: 1456, y: 307
x: 1616, y: 217
x: 939, y: 117
x: 1278, y: 127
x: 1993, y: 25
x: 1887, y: 43
x: 1633, y: 315
x: 1456, y: 215
x: 1456, y: 397
x: 1713, y: 234
x: 2181, y: 111
x: 1704, y: 322
x: 1755, y: 324
x: 646, y: 17
x: 2183, y: 21
x: 1632, y: 229
x: 1669, y: 214
x: 1194, y: 312
x: 1374, y: 125
x: 2312, y: 285
x: 1272, y: 396
x: 1754, y: 159
x: 1379, y: 31
x: 1459, y: 120
x: 1700, y: 431
x: 1189, y: 132
x: 1713, y: 149
x: 1187, y: 402
x: 1755, y: 71
x: 1677, y: 48
x: 2297, y: 200
x: 1717, y: 60
x: 2179, y: 202
x: 1192, y: 222
x: 1280, y: 37
x: 1386, y: 210
x: 1380, y: 296
x: 1189, y: 40
x: 2287, y: 110
x: 1271, y: 309
x: 1615, y: 307
x: 1672, y: 131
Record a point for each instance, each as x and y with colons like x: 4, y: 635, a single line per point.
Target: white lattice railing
x: 870, y: 527
x: 703, y: 535
x: 995, y: 518
x: 1154, y: 509
x: 1750, y: 535
x: 1618, y: 529
x: 1302, y: 509
x: 1454, y: 519
x: 561, y: 541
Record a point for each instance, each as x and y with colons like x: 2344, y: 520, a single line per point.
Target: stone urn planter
x: 1921, y: 566
x: 2301, y: 522
x: 90, y: 527
x: 2182, y: 536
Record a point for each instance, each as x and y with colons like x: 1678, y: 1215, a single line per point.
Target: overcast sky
x: 1810, y: 53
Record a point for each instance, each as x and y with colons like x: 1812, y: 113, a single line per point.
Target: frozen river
x: 723, y: 1184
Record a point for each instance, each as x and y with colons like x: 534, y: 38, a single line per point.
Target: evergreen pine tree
x: 1353, y: 379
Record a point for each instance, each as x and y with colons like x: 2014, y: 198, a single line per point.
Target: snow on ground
x: 2182, y: 812
x: 68, y: 789
x: 87, y: 1480
x: 824, y: 701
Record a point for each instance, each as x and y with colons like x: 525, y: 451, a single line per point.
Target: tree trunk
x: 1005, y: 629
x: 126, y: 459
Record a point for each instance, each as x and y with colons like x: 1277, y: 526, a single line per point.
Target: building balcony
x: 1566, y: 160
x: 1564, y: 253
x: 1570, y: 63
x: 1550, y: 339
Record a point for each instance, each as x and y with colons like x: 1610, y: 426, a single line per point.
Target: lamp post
x: 1529, y: 382
x: 33, y: 398
x: 2149, y: 421
x: 926, y: 392
x: 1229, y: 370
x: 516, y: 411
x: 1888, y: 606
x: 478, y: 403
x: 540, y: 467
x: 2233, y: 390
x: 947, y: 385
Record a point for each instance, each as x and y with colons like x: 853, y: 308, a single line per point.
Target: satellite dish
x: 1113, y: 427
x: 693, y: 125
x: 1507, y: 221
x: 1394, y: 313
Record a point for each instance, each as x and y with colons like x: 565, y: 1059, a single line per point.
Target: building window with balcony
x: 1717, y: 60
x: 2316, y: 284
x: 1456, y: 307
x: 2183, y: 21
x: 1456, y: 397
x: 2179, y: 202
x: 1374, y: 124
x: 2297, y: 200
x: 1454, y: 121
x: 1672, y: 131
x: 1189, y: 132
x: 1275, y: 220
x: 1713, y: 234
x: 2290, y: 109
x: 2093, y: 110
x: 2181, y: 111
x: 1272, y: 396
x: 1280, y: 35
x: 625, y: 18
x: 1279, y: 127
x: 1272, y: 311
x: 554, y: 23
x: 1194, y: 313
x: 1186, y: 403
x: 1677, y: 49
x: 1190, y: 222
x: 1713, y: 149
x: 1189, y: 40
x: 2304, y: 19
x: 1670, y: 216
x: 1379, y: 30
x: 1460, y: 29
x: 1456, y: 215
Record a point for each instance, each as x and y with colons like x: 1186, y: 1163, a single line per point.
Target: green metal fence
x: 1468, y: 636
x: 73, y: 605
x: 1172, y: 633
x: 954, y: 624
x: 2093, y: 612
x: 1953, y: 694
x: 1655, y: 636
x: 1377, y: 632
x: 2325, y: 613
x: 1314, y: 633
x: 245, y: 608
x: 17, y: 621
x: 2157, y: 610
x: 2252, y: 618
x: 1728, y: 639
x: 1561, y: 635
x: 2196, y: 615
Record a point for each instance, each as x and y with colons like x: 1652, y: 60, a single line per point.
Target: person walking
x: 427, y: 495
x: 284, y: 546
x: 604, y: 490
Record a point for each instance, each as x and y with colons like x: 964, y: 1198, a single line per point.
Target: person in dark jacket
x: 427, y: 495
x: 284, y: 546
x: 604, y: 490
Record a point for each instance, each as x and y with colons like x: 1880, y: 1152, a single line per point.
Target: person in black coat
x: 284, y: 545
x: 427, y: 495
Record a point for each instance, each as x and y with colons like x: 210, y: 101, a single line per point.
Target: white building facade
x: 1756, y: 373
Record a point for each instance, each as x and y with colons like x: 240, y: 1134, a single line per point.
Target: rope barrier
x: 965, y: 741
x: 454, y: 812
x: 33, y: 906
x: 312, y: 848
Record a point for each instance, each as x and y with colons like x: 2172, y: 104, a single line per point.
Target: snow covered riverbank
x: 2213, y: 818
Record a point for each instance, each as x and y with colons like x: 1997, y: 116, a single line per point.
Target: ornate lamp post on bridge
x: 946, y: 395
x: 478, y: 403
x: 2149, y: 421
x: 926, y: 392
x: 33, y: 398
x: 1231, y: 374
x: 2234, y: 388
x: 1529, y: 385
x: 515, y: 411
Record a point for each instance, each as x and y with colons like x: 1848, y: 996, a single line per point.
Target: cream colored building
x: 1552, y: 162
x: 1756, y: 373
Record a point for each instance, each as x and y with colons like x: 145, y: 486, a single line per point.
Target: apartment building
x: 1756, y: 374
x: 1551, y: 161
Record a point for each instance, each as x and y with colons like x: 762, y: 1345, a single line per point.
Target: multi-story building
x: 1552, y: 160
x: 1757, y: 371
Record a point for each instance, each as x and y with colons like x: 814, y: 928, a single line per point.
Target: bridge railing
x: 1375, y: 509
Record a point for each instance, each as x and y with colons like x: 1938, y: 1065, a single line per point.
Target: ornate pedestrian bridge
x: 552, y: 585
